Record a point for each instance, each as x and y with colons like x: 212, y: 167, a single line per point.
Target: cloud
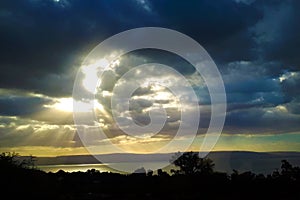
x: 145, y: 4
x: 252, y: 85
x: 262, y: 97
x: 34, y: 106
x: 254, y: 43
x: 20, y: 103
x: 50, y: 38
x: 262, y: 120
x: 294, y: 107
x: 217, y: 26
x: 16, y: 131
x: 277, y: 32
x: 138, y: 104
x: 290, y: 83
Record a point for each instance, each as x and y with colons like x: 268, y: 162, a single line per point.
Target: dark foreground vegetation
x: 193, y: 179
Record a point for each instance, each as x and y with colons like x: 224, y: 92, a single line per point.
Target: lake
x: 256, y: 162
x: 128, y: 166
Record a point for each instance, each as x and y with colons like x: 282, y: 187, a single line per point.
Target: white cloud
x: 145, y: 4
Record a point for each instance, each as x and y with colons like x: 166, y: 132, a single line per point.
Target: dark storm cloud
x: 21, y: 105
x: 252, y: 83
x: 291, y: 84
x: 42, y: 40
x: 217, y: 25
x: 262, y: 120
x: 144, y: 56
x: 238, y: 30
x: 290, y: 87
x: 260, y: 99
x: 277, y: 33
x: 294, y: 107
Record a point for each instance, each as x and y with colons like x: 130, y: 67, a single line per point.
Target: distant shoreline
x: 225, y: 161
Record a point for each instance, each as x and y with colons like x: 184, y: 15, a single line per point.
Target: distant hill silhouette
x: 225, y: 161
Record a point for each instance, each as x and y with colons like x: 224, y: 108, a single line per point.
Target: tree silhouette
x: 8, y: 159
x: 93, y: 184
x: 149, y: 172
x: 160, y: 172
x: 13, y: 160
x: 288, y: 171
x: 190, y: 163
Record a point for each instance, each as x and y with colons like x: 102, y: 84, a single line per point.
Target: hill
x: 225, y: 161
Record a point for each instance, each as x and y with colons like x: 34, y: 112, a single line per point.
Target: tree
x: 190, y: 163
x: 288, y: 171
x: 160, y: 172
x: 13, y: 160
x: 8, y: 159
x: 149, y: 172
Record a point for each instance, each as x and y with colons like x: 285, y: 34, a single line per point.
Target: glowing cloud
x: 62, y: 104
x: 90, y: 73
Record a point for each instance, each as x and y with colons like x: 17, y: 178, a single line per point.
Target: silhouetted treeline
x: 194, y: 178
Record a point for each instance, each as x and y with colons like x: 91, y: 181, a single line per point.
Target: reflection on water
x: 75, y: 167
x: 101, y: 167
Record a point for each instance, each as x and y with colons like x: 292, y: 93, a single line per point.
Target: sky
x: 254, y: 44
